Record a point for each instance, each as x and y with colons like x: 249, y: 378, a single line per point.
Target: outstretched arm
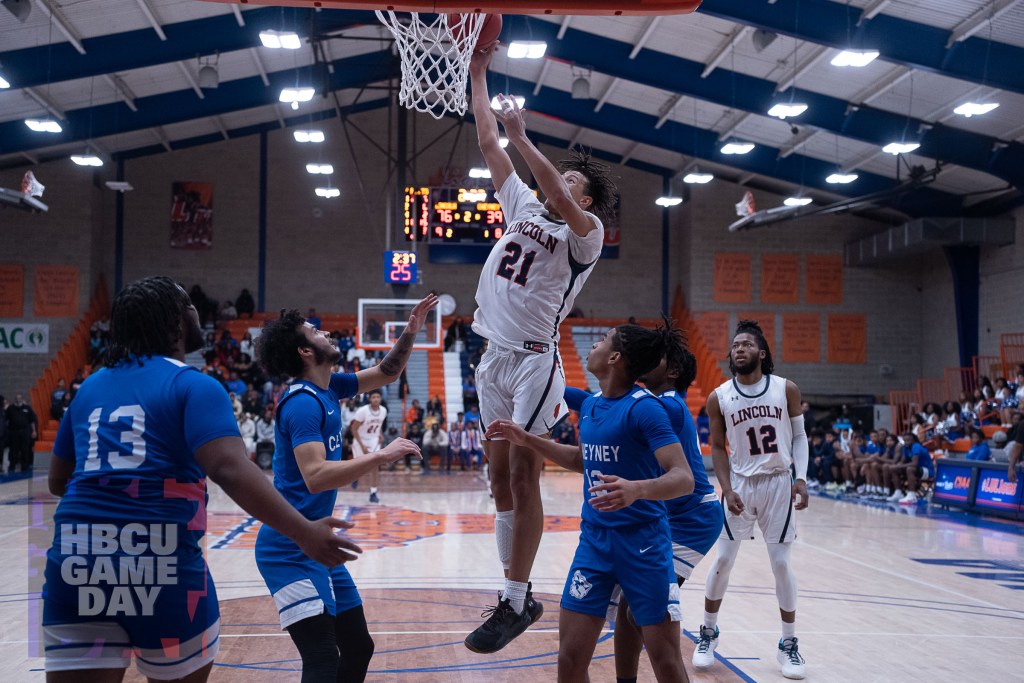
x: 567, y: 457
x: 497, y: 160
x: 388, y: 370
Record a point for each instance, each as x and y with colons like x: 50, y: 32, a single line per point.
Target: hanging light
x: 319, y: 169
x: 479, y: 173
x: 4, y: 83
x: 328, y: 192
x: 896, y: 148
x: 797, y: 201
x: 737, y: 147
x: 309, y: 136
x: 526, y: 49
x: 43, y: 125
x: 289, y: 40
x: 840, y: 178
x: 787, y: 110
x: 698, y: 178
x: 969, y: 109
x: 668, y: 201
x: 855, y: 58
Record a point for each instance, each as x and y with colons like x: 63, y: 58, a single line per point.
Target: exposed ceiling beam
x: 280, y: 116
x: 979, y: 20
x: 576, y: 137
x: 150, y: 13
x: 872, y: 10
x: 667, y: 109
x: 191, y: 80
x: 645, y: 36
x: 800, y: 71
x: 45, y: 103
x: 733, y: 126
x: 259, y: 64
x: 881, y: 86
x: 238, y: 14
x: 723, y: 50
x: 221, y: 127
x: 629, y: 153
x: 861, y: 159
x: 31, y: 157
x: 566, y: 20
x: 606, y: 94
x: 543, y: 72
x: 1016, y: 133
x: 55, y: 15
x: 119, y: 86
x: 158, y: 131
x: 797, y: 141
x: 746, y: 178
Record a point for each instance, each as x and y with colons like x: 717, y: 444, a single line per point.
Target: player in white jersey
x: 759, y: 415
x: 527, y: 286
x: 367, y: 427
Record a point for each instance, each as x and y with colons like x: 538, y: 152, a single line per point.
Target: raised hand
x: 321, y: 543
x: 511, y: 116
x: 398, y: 449
x: 418, y: 317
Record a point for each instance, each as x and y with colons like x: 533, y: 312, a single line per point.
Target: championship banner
x: 12, y: 290
x: 714, y: 329
x: 732, y: 278
x: 766, y: 320
x: 824, y: 279
x: 56, y: 292
x: 612, y: 230
x: 780, y: 278
x: 191, y: 215
x: 24, y: 337
x: 847, y: 338
x: 801, y: 338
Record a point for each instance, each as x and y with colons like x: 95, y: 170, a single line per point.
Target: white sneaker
x: 704, y: 653
x: 862, y: 489
x: 909, y: 499
x: 813, y: 485
x: 789, y: 659
x: 895, y: 497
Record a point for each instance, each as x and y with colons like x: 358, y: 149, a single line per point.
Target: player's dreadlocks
x: 146, y: 320
x: 678, y: 356
x: 752, y: 328
x: 278, y: 345
x: 600, y: 186
x: 643, y: 349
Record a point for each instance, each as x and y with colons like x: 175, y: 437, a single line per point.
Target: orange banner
x: 766, y: 321
x: 801, y: 338
x: 12, y: 290
x: 732, y: 278
x: 824, y: 279
x: 714, y: 328
x: 56, y: 293
x: 847, y: 338
x: 780, y: 278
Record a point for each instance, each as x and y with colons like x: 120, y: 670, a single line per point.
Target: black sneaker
x: 533, y: 608
x: 374, y: 498
x: 502, y: 625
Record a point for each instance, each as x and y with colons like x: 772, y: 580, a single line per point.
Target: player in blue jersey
x: 126, y: 574
x: 632, y: 461
x: 321, y: 608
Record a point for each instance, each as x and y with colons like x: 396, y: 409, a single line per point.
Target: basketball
x: 489, y: 32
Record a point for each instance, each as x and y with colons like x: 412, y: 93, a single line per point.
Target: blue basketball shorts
x: 636, y: 557
x: 694, y: 533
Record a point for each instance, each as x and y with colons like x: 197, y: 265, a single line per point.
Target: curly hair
x: 600, y: 186
x: 752, y: 328
x: 643, y: 348
x: 146, y: 320
x: 278, y: 344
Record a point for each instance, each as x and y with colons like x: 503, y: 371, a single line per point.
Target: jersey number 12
x: 768, y: 439
x: 513, y: 252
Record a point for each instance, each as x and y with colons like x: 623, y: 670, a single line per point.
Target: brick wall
x: 1002, y: 284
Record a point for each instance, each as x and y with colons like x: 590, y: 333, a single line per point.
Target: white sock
x: 373, y: 490
x: 515, y: 593
x: 788, y: 630
x: 711, y: 619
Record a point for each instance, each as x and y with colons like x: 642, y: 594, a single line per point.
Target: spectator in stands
x: 356, y: 359
x: 979, y: 447
x: 414, y: 415
x: 1014, y: 458
x: 245, y: 305
x: 835, y: 475
x: 564, y: 433
x: 951, y: 428
x: 206, y: 308
x: 348, y: 411
x: 235, y: 385
x: 313, y: 319
x: 472, y: 445
x: 855, y: 463
x: 435, y: 442
x: 456, y: 335
x: 245, y: 346
x: 435, y: 409
x: 227, y: 311
x: 4, y: 432
x: 819, y: 468
x: 76, y: 381
x: 454, y: 443
x: 810, y: 423
x: 987, y: 390
x: 703, y: 426
x: 23, y: 430
x: 415, y: 434
x: 97, y: 347
x: 345, y: 342
x: 876, y: 471
x: 265, y: 426
x: 915, y: 464
x: 236, y: 405
x: 57, y: 399
x: 226, y: 346
x: 247, y: 427
x: 469, y: 397
x: 252, y: 401
x: 472, y: 415
x: 921, y: 429
x: 1006, y: 394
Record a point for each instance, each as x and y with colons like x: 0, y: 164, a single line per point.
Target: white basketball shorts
x: 767, y: 500
x: 522, y: 386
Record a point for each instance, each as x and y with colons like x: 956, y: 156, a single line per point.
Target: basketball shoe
x: 789, y: 658
x: 533, y: 608
x: 502, y: 626
x: 374, y: 498
x: 704, y: 653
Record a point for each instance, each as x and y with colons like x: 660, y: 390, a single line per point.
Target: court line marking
x: 555, y: 631
x: 926, y: 584
x: 12, y: 532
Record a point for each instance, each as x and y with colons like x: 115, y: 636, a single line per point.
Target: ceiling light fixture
x: 737, y: 147
x: 293, y: 95
x: 526, y: 49
x: 698, y: 178
x: 4, y: 83
x: 319, y: 169
x: 969, y: 109
x: 788, y: 110
x: 840, y: 178
x: 668, y: 201
x: 328, y: 192
x: 87, y: 159
x: 289, y: 40
x: 479, y: 173
x: 797, y: 201
x: 855, y: 58
x: 896, y: 148
x: 43, y: 125
x: 309, y: 135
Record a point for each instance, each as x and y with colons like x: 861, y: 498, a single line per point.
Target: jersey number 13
x: 129, y: 434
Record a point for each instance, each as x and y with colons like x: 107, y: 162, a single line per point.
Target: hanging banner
x: 801, y: 338
x: 714, y: 329
x: 732, y: 278
x: 612, y: 230
x: 56, y: 293
x: 24, y: 337
x: 12, y: 290
x: 767, y: 322
x: 780, y: 278
x: 824, y: 279
x: 191, y: 215
x: 847, y: 338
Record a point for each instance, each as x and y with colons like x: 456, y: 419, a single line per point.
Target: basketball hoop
x: 435, y: 59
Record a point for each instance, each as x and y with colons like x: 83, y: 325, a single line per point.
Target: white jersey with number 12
x: 757, y: 426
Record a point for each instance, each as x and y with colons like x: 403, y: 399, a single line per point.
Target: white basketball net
x: 435, y: 59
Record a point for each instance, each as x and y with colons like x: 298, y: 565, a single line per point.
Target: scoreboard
x: 453, y: 215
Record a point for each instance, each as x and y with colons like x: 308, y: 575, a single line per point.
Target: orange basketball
x: 488, y: 33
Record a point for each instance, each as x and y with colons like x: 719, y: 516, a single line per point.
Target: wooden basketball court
x: 884, y: 595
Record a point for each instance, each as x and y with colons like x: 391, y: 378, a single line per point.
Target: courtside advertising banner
x: 24, y: 338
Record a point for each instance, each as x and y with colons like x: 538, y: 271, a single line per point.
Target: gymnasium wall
x: 1002, y: 290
